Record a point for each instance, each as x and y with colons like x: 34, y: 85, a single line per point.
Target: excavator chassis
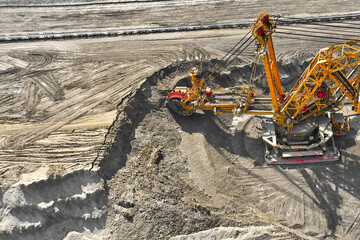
x: 310, y: 141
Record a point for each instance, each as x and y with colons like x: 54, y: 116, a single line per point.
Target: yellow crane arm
x: 262, y: 29
x: 327, y: 79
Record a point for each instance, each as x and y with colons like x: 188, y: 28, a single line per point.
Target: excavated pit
x: 181, y: 175
x: 151, y: 97
x: 164, y: 176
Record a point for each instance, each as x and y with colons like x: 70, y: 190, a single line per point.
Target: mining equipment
x: 302, y: 121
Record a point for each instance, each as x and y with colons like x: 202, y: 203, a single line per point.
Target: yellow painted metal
x: 357, y: 97
x: 339, y: 127
x: 197, y: 99
x: 271, y: 82
x: 259, y: 112
x: 298, y: 147
x: 262, y: 29
x: 329, y: 70
x: 302, y: 102
x: 274, y: 67
x: 321, y: 71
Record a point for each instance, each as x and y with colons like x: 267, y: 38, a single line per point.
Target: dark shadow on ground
x: 326, y: 180
x: 217, y: 133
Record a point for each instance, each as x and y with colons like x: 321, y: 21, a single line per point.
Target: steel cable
x: 234, y: 48
x: 317, y: 23
x: 235, y: 53
x: 313, y: 36
x: 298, y: 29
x: 339, y: 19
x: 307, y: 39
x: 235, y: 57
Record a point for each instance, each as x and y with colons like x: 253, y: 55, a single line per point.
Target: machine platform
x: 311, y: 141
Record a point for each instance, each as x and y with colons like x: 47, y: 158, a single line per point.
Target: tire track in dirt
x: 70, y: 110
x: 276, y: 202
x: 181, y: 28
x: 43, y: 144
x: 58, y: 148
x: 35, y: 87
x: 46, y: 4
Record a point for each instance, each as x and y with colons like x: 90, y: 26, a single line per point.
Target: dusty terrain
x: 89, y: 150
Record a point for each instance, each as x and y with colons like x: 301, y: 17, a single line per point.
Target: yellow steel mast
x: 262, y: 29
x: 323, y: 85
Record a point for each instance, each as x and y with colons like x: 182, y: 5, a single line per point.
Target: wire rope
x: 313, y: 36
x: 231, y: 52
x: 218, y: 73
x: 319, y: 32
x: 234, y: 47
x: 355, y: 18
x: 319, y: 24
x: 308, y: 39
x: 235, y: 54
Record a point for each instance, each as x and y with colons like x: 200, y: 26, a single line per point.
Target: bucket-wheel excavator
x: 304, y: 120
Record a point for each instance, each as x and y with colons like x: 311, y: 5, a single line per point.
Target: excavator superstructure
x: 303, y: 120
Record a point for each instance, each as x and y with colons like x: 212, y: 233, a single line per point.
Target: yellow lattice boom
x: 332, y: 75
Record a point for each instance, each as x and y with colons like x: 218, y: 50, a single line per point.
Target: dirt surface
x: 69, y: 106
x: 45, y: 17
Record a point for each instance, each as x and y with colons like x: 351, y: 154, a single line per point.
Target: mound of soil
x: 166, y: 176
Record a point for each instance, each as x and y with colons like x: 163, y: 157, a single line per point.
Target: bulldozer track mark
x: 194, y: 53
x: 353, y: 231
x: 35, y: 86
x: 39, y: 60
x: 297, y: 210
x: 31, y: 96
x: 77, y: 4
x: 185, y: 54
x: 7, y: 98
x: 201, y: 54
x: 253, y: 232
x: 69, y: 112
x: 269, y: 219
x: 51, y: 87
x: 110, y: 33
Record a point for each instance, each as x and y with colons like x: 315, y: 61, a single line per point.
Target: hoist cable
x: 313, y: 36
x: 253, y: 71
x: 235, y: 57
x: 321, y: 28
x: 207, y: 74
x: 321, y: 24
x: 236, y: 53
x: 230, y: 53
x: 288, y: 19
x: 307, y: 39
x: 319, y: 32
x: 235, y: 46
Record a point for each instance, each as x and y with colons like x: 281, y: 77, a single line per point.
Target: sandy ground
x: 68, y: 104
